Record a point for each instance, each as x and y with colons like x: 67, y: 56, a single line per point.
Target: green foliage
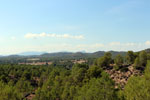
x: 83, y: 82
x: 137, y: 63
x: 130, y: 57
x: 78, y: 75
x: 116, y: 67
x: 77, y: 82
x: 138, y: 91
x: 97, y: 89
x: 18, y: 80
x: 94, y: 72
x: 118, y: 61
x: 148, y: 56
x: 143, y: 58
x: 147, y: 70
x: 24, y: 86
x: 105, y: 61
x: 8, y: 92
x: 138, y: 88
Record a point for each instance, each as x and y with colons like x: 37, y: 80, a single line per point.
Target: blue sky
x: 74, y: 25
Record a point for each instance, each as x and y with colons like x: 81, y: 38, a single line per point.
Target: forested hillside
x: 15, y: 59
x: 79, y: 81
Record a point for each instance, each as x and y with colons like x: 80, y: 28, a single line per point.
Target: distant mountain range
x: 80, y: 54
x: 66, y: 55
x: 60, y: 55
x: 31, y: 53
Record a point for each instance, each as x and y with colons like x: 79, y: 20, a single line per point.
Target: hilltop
x: 42, y: 56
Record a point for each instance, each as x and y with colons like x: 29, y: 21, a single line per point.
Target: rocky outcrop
x: 121, y: 78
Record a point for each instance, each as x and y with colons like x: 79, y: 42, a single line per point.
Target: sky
x: 74, y: 25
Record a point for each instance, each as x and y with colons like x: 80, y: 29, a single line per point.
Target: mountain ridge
x: 67, y: 54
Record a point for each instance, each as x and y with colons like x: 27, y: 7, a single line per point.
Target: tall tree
x: 130, y: 57
x: 137, y: 63
x: 105, y: 61
x: 143, y: 58
x: 118, y: 60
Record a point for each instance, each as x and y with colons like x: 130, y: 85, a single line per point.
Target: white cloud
x: 98, y: 45
x: 147, y: 43
x: 116, y: 46
x: 130, y: 44
x: 114, y: 43
x: 57, y: 47
x: 53, y: 35
x: 13, y: 38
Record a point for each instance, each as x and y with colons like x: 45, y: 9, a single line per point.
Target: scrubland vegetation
x: 78, y: 81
